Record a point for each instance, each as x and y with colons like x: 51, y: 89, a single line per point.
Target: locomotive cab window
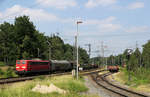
x: 18, y: 62
x: 23, y: 62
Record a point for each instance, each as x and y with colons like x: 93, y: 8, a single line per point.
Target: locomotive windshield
x: 18, y: 62
x: 23, y: 62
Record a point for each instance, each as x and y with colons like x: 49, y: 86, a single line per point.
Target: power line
x: 89, y: 45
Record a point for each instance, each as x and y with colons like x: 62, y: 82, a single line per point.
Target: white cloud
x: 59, y: 4
x: 104, y: 25
x: 109, y: 27
x: 138, y: 29
x: 35, y: 14
x: 136, y: 5
x: 97, y: 21
x: 95, y: 3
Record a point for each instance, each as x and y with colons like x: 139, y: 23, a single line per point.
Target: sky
x: 118, y: 24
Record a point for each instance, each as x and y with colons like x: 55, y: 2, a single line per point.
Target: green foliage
x: 68, y: 52
x: 2, y: 64
x: 146, y: 54
x: 1, y: 72
x: 9, y: 72
x: 140, y: 77
x: 83, y: 56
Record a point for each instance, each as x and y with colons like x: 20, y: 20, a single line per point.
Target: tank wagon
x: 61, y: 65
x: 88, y: 66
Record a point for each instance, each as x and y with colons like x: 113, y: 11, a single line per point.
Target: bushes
x: 9, y: 72
x: 2, y: 63
x: 138, y: 77
x: 1, y: 72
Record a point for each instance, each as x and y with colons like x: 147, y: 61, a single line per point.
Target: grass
x: 23, y: 89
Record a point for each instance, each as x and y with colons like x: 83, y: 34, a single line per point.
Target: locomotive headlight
x: 23, y: 67
x: 17, y: 67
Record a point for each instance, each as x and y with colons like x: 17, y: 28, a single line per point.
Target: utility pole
x: 76, y: 40
x: 136, y: 45
x: 49, y: 55
x: 38, y: 52
x: 74, y: 51
x: 89, y: 45
x: 129, y: 52
x: 102, y: 50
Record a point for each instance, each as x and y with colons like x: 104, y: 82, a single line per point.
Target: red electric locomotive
x: 32, y: 66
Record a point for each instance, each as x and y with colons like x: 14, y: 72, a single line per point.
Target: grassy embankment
x: 23, y: 89
x: 139, y: 80
x: 6, y: 71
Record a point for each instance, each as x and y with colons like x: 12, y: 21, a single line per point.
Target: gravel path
x: 95, y: 89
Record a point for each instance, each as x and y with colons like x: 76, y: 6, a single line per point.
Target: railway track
x: 120, y: 91
x: 18, y: 79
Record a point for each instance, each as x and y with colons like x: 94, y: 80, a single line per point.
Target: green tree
x: 26, y: 39
x: 146, y: 54
x: 56, y: 44
x: 83, y: 56
x: 68, y: 52
x: 7, y: 45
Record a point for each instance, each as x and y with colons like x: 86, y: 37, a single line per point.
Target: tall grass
x: 138, y: 77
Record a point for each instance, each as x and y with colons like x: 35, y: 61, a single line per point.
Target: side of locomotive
x: 32, y: 66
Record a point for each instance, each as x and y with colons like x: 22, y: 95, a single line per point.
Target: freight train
x: 113, y: 68
x: 24, y: 67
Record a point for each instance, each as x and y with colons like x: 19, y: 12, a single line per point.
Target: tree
x: 146, y: 54
x: 68, y: 52
x: 83, y: 56
x: 56, y: 44
x: 25, y: 37
x: 7, y: 44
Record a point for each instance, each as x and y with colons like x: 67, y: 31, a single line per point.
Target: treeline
x: 134, y: 58
x: 136, y: 63
x: 21, y: 40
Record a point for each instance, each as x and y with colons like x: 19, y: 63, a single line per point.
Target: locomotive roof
x: 60, y: 61
x: 33, y: 60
